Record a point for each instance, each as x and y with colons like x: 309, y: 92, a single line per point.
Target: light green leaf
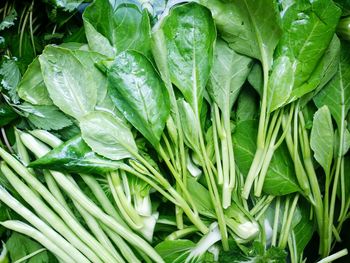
x: 9, y: 20
x: 280, y: 83
x: 110, y: 31
x: 189, y: 34
x: 107, y: 136
x: 175, y: 251
x: 72, y: 79
x: 188, y: 120
x: 322, y: 138
x: 32, y: 88
x: 251, y: 27
x: 139, y: 93
x: 228, y: 73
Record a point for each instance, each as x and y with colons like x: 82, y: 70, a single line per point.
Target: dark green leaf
x: 175, y: 251
x: 75, y: 156
x: 247, y: 105
x: 227, y: 75
x: 255, y: 78
x: 280, y: 178
x: 107, y: 135
x: 336, y: 94
x: 139, y: 93
x: 20, y: 246
x: 7, y: 114
x: 32, y: 88
x: 308, y: 29
x: 110, y: 31
x: 189, y: 34
x: 67, y: 5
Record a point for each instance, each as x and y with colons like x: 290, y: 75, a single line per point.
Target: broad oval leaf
x: 139, y: 93
x: 228, y: 73
x: 280, y: 83
x: 175, y: 251
x: 251, y: 27
x: 322, y: 138
x: 111, y: 30
x: 72, y: 79
x: 308, y: 28
x: 189, y: 34
x: 75, y: 156
x: 32, y: 88
x: 107, y: 136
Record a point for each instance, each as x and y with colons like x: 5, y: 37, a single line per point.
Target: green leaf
x: 247, y: 105
x: 7, y: 114
x: 322, y: 138
x: 308, y: 28
x: 189, y: 34
x: 47, y: 117
x: 10, y: 77
x: 139, y: 93
x: 9, y: 20
x: 175, y: 251
x: 32, y: 88
x: 67, y: 5
x: 323, y: 73
x: 280, y: 83
x: 19, y: 246
x: 71, y: 79
x: 110, y: 31
x: 228, y: 73
x: 280, y: 178
x: 244, y: 141
x: 107, y: 135
x: 256, y: 79
x: 75, y: 156
x: 251, y: 27
x: 201, y: 198
x: 336, y: 94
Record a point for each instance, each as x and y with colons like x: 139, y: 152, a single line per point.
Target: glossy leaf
x: 10, y: 76
x: 111, y: 30
x: 75, y: 156
x: 7, y: 114
x: 107, y: 136
x: 189, y: 34
x: 71, y: 79
x: 280, y: 83
x: 32, y: 88
x: 322, y: 138
x: 336, y: 94
x: 247, y: 105
x: 139, y: 93
x: 280, y: 178
x: 251, y: 27
x: 228, y: 73
x: 308, y: 29
x: 175, y: 251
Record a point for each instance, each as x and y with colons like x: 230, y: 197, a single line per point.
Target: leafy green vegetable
x: 6, y: 114
x: 139, y: 93
x: 10, y: 77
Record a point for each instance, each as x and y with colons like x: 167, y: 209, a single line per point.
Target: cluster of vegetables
x: 174, y: 131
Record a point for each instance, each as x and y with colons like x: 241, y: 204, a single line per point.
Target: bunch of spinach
x: 157, y: 129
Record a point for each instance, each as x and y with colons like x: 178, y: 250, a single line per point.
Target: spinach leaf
x: 110, y: 31
x: 189, y: 34
x: 71, y: 79
x: 32, y: 88
x: 75, y: 156
x: 228, y: 73
x: 139, y: 93
x: 107, y: 135
x: 322, y: 138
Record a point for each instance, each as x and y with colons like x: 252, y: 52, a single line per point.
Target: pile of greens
x: 174, y: 131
